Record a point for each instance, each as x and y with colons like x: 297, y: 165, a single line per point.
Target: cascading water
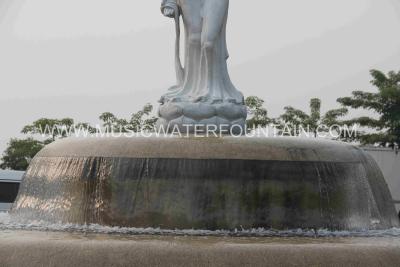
x: 202, y: 183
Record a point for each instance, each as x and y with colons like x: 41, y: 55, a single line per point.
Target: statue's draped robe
x: 202, y: 82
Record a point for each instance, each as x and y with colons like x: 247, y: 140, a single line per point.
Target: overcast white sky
x: 78, y: 58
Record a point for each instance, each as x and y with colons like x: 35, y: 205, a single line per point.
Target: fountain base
x: 206, y: 183
x: 66, y: 249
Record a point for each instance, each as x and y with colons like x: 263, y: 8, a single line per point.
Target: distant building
x: 9, y: 186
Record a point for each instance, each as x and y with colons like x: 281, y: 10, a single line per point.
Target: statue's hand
x: 169, y: 12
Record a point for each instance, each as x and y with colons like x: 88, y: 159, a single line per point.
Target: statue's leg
x: 191, y: 11
x: 192, y: 19
x: 214, y: 18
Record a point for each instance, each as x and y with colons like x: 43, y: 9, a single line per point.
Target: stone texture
x: 31, y: 249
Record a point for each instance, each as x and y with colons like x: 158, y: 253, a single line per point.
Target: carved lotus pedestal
x: 188, y: 117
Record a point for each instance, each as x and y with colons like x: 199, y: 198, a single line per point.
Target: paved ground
x: 23, y: 248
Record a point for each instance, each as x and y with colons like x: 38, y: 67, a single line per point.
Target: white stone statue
x: 204, y: 93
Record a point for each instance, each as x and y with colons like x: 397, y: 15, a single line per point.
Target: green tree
x: 385, y: 102
x: 108, y: 119
x: 141, y: 120
x: 19, y: 153
x: 55, y: 128
x: 113, y: 124
x: 41, y: 126
x: 297, y: 120
x: 294, y: 119
x: 257, y: 114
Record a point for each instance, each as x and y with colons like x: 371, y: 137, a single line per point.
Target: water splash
x: 7, y: 223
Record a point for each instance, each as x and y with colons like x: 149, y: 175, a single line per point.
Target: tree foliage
x: 258, y: 115
x: 19, y: 153
x: 55, y: 128
x: 111, y: 123
x: 385, y: 102
x: 298, y: 120
x: 142, y: 120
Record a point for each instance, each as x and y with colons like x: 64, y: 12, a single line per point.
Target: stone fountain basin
x: 21, y: 248
x: 206, y: 183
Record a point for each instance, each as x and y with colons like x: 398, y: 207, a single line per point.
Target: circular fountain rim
x: 227, y: 147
